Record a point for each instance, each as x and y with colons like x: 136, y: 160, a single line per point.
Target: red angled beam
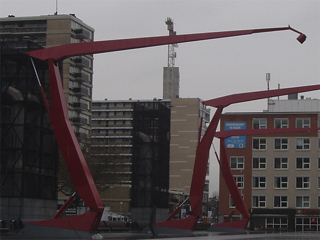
x: 244, y: 97
x: 75, y: 49
x: 68, y: 143
x: 203, y: 150
x: 231, y: 184
x: 242, y: 132
x: 202, y: 155
x: 75, y: 162
x: 72, y: 154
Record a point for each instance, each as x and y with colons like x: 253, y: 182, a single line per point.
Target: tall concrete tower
x: 171, y: 77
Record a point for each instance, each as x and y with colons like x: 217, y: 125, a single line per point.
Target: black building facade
x: 29, y: 152
x: 150, y: 162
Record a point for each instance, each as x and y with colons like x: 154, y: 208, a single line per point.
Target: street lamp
x: 302, y: 37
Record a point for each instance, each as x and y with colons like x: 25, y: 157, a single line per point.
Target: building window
x: 303, y: 163
x: 277, y: 223
x: 307, y: 224
x: 280, y: 202
x: 318, y: 201
x: 318, y: 143
x: 259, y: 123
x: 259, y: 143
x: 281, y: 123
x: 318, y: 162
x: 280, y: 182
x: 303, y: 144
x: 302, y: 201
x: 239, y: 179
x: 319, y: 182
x: 303, y: 122
x: 281, y: 143
x: 237, y: 162
x: 303, y: 182
x: 259, y: 163
x: 281, y: 163
x: 259, y: 182
x: 95, y: 122
x: 259, y: 201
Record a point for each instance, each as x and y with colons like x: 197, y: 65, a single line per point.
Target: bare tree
x: 104, y: 167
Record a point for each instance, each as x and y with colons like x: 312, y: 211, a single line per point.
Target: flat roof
x: 12, y: 18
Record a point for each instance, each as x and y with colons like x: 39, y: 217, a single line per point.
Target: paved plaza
x: 196, y: 235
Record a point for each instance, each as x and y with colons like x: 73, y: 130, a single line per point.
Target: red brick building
x: 277, y: 174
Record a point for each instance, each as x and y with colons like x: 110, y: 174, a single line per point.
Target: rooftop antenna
x: 268, y: 80
x: 268, y: 87
x: 171, y: 53
x: 171, y: 73
x: 56, y: 13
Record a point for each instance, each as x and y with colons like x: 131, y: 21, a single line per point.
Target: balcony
x: 79, y: 120
x: 82, y: 135
x: 82, y: 76
x: 82, y: 91
x: 15, y: 29
x: 82, y: 62
x: 80, y: 106
x: 83, y: 33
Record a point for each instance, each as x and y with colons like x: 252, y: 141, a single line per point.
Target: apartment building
x: 118, y: 127
x: 76, y: 72
x: 277, y: 174
x: 186, y: 116
x: 132, y: 139
x: 29, y: 152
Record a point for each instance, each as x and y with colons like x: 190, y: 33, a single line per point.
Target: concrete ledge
x: 41, y: 232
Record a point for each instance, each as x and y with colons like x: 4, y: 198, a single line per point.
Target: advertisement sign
x: 235, y: 141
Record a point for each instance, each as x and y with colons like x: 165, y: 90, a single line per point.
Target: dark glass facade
x: 150, y: 161
x: 29, y: 152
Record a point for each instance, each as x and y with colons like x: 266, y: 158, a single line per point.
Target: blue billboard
x: 235, y: 141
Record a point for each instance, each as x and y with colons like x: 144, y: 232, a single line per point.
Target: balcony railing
x: 82, y: 62
x: 79, y: 120
x: 83, y: 33
x: 80, y: 105
x: 81, y: 91
x: 84, y: 77
x: 82, y: 135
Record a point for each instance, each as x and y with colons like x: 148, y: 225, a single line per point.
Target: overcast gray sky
x: 208, y: 69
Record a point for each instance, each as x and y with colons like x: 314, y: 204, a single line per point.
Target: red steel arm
x: 69, y: 145
x: 200, y: 166
x: 65, y: 206
x: 75, y: 162
x: 244, y: 97
x: 202, y: 154
x: 75, y: 49
x: 242, y: 132
x: 231, y: 184
x: 234, y: 191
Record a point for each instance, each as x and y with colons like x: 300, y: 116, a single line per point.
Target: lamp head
x: 302, y: 38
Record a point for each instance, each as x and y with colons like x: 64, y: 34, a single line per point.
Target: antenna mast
x: 268, y: 80
x: 268, y: 88
x: 171, y: 53
x: 56, y: 13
